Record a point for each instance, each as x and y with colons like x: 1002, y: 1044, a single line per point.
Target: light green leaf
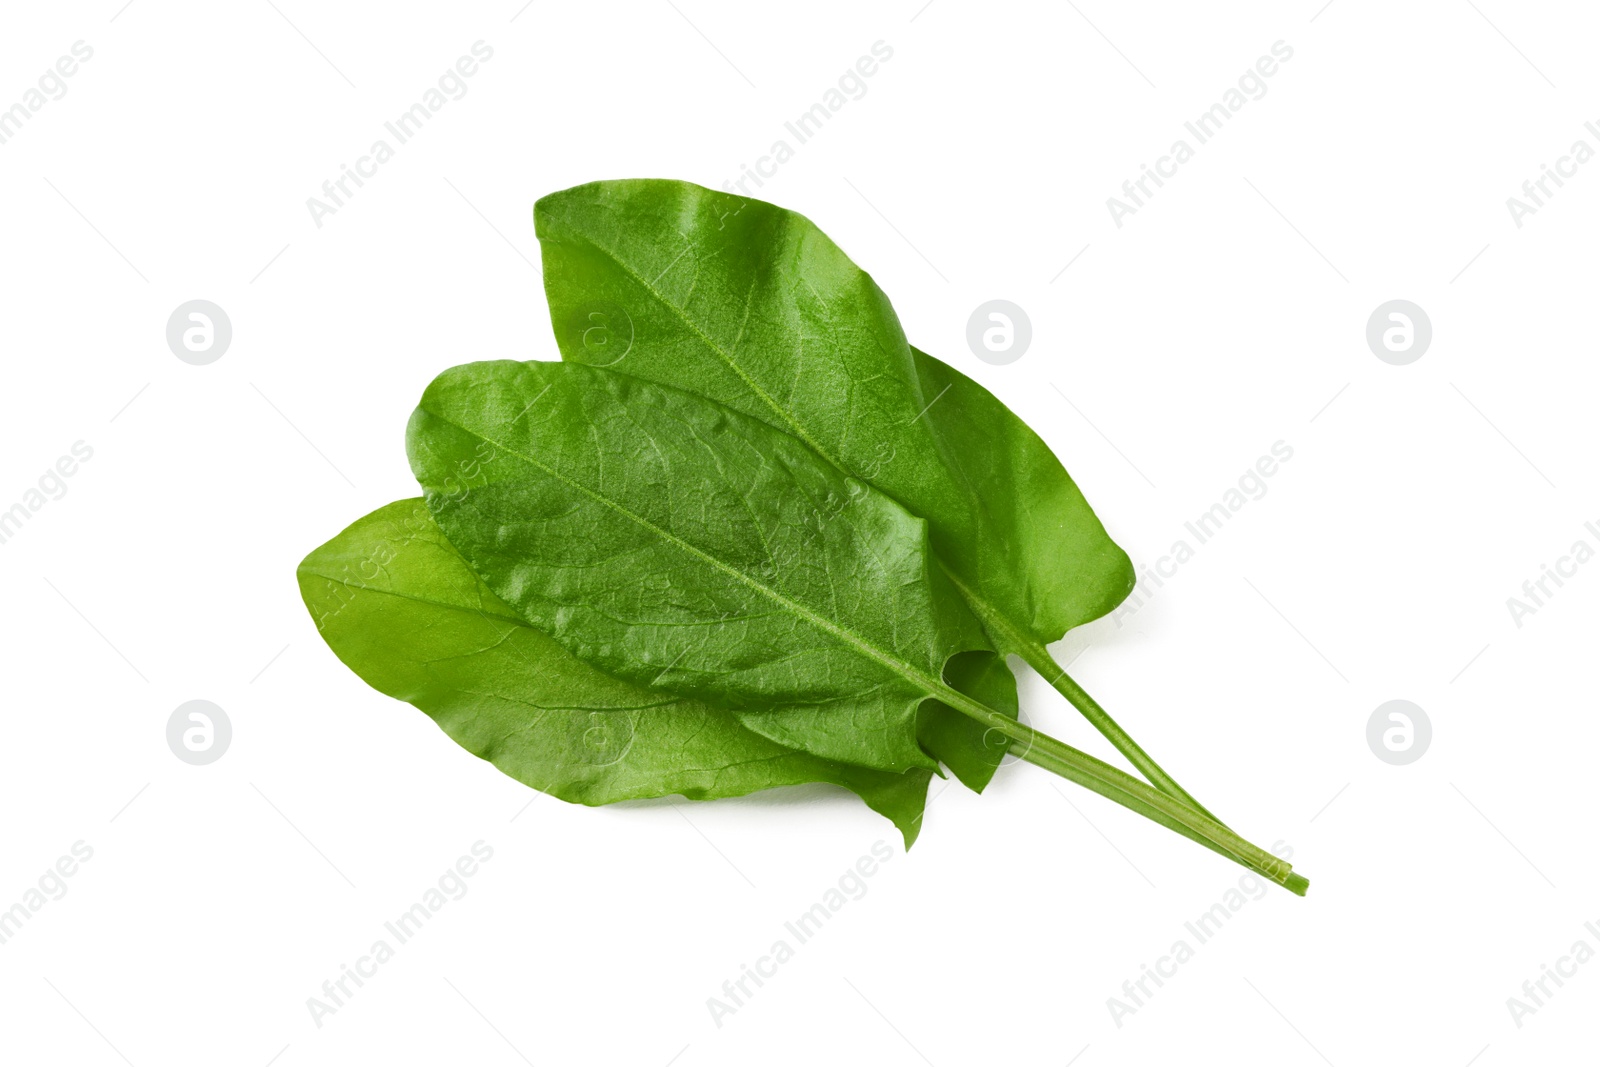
x: 396, y: 602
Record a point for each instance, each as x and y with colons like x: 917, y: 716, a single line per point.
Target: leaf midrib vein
x: 928, y: 686
x: 360, y: 587
x: 725, y: 356
x: 789, y: 420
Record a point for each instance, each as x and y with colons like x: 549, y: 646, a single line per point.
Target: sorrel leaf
x: 755, y: 307
x: 401, y: 608
x: 679, y: 545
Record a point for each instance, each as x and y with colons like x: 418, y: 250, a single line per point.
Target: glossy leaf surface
x: 755, y: 307
x: 401, y: 608
x: 679, y: 545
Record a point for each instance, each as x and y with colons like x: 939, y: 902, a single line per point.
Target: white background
x: 1228, y: 314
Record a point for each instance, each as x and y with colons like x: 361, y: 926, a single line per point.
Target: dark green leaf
x: 670, y: 541
x: 755, y: 307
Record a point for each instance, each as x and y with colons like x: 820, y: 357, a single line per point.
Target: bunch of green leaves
x: 742, y: 536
